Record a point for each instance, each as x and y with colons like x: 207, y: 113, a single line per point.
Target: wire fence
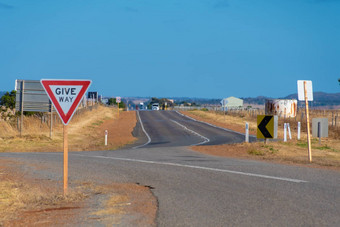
x: 251, y: 115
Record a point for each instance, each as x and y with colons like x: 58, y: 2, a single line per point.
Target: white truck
x: 155, y: 106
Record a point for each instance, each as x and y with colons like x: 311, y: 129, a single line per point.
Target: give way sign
x: 65, y: 95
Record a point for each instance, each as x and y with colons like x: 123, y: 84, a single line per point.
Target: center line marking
x: 206, y: 140
x: 200, y: 167
x: 149, y: 139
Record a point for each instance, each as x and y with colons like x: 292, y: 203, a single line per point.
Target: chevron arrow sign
x: 267, y: 126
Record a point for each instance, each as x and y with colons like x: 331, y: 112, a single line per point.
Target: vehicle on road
x: 155, y: 106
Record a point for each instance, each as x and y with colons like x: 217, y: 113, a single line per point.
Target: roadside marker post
x: 289, y: 132
x: 299, y: 131
x: 105, y: 137
x: 285, y: 132
x: 65, y: 96
x: 305, y: 93
x: 247, y: 132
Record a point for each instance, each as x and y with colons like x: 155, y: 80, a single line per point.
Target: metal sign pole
x: 308, y: 128
x: 51, y: 125
x: 65, y: 159
x: 247, y: 133
x: 22, y: 107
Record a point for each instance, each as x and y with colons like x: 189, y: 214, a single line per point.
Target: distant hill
x: 320, y: 99
x: 199, y: 101
x: 260, y: 100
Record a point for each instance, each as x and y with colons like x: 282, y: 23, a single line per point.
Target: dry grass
x: 326, y: 154
x: 20, y: 193
x: 25, y: 201
x: 86, y: 132
x: 132, y: 199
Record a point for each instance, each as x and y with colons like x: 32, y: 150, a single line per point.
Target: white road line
x: 206, y: 140
x: 149, y: 139
x: 199, y: 167
x: 225, y: 129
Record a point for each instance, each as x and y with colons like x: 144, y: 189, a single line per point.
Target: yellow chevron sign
x: 266, y: 127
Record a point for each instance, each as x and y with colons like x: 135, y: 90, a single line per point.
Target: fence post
x: 336, y: 118
x: 319, y: 132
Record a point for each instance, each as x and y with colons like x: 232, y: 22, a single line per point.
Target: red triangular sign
x: 65, y: 95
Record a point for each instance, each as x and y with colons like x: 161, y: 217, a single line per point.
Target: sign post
x: 305, y: 93
x: 65, y: 128
x: 308, y: 128
x: 118, y: 100
x: 65, y: 96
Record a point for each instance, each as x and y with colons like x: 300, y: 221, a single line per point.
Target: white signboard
x: 118, y: 99
x: 301, y: 90
x: 65, y: 95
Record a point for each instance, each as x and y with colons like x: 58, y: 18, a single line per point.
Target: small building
x: 231, y: 103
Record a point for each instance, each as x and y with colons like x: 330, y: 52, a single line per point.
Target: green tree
x: 8, y: 99
x: 161, y: 102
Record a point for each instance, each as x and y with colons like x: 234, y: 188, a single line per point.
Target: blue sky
x: 173, y: 48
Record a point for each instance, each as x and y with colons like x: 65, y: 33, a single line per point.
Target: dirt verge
x: 325, y: 155
x: 27, y: 201
x: 86, y: 132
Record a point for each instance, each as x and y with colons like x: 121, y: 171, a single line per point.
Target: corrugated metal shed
x: 231, y: 103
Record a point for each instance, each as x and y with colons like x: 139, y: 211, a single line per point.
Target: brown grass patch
x: 289, y: 153
x: 86, y: 132
x: 21, y: 195
x: 26, y: 201
x: 225, y: 121
x: 127, y: 201
x: 326, y: 154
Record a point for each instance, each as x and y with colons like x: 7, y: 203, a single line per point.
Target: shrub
x: 8, y: 99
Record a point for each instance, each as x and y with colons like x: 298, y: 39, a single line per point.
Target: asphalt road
x: 200, y: 190
x: 171, y: 128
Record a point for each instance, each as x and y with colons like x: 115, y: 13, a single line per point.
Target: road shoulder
x: 29, y: 201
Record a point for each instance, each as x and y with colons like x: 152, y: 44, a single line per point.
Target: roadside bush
x: 8, y: 99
